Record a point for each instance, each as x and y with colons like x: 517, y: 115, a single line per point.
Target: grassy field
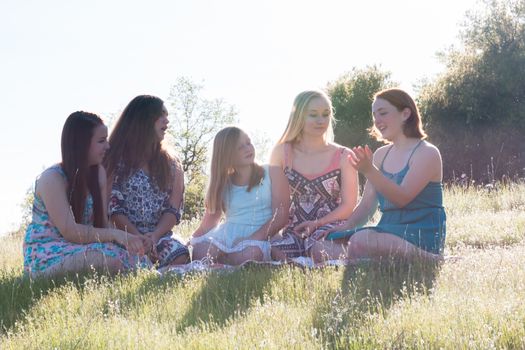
x: 476, y: 301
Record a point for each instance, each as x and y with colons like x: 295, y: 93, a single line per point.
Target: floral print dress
x: 44, y: 247
x: 140, y: 199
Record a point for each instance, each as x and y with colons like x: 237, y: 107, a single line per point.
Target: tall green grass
x: 484, y: 217
x: 476, y: 300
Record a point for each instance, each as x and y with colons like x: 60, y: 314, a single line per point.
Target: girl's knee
x: 182, y: 259
x: 356, y: 248
x: 359, y: 245
x: 199, y: 251
x: 205, y: 251
x: 255, y: 253
x: 98, y: 260
x: 318, y: 252
x: 110, y: 264
x: 277, y: 254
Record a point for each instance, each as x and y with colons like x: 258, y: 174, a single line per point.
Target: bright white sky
x: 57, y: 57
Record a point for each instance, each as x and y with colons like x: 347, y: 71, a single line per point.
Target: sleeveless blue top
x: 421, y: 222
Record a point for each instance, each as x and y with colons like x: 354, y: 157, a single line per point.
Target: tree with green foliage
x: 476, y: 109
x: 352, y: 95
x: 195, y: 121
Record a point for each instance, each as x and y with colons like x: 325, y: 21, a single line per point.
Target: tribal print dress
x: 312, y: 197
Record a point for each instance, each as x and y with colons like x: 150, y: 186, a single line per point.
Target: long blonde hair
x: 224, y: 145
x: 294, y: 129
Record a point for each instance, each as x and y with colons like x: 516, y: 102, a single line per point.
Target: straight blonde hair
x: 224, y: 145
x: 294, y: 129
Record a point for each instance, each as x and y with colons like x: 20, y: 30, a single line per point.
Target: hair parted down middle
x: 134, y: 143
x: 224, y: 145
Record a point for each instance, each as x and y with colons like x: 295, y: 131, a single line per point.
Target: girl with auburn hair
x: 253, y: 199
x: 147, y: 183
x: 68, y: 231
x: 322, y: 183
x: 405, y: 178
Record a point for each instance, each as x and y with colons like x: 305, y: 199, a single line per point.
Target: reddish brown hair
x: 401, y: 100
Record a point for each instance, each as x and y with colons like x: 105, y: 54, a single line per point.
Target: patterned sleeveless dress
x: 140, y: 199
x: 422, y: 222
x: 312, y: 197
x: 44, y: 247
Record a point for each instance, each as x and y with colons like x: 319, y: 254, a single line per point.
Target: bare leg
x: 282, y: 246
x: 206, y: 250
x: 84, y: 262
x: 237, y: 258
x: 182, y: 259
x: 278, y: 254
x: 371, y: 244
x: 328, y: 250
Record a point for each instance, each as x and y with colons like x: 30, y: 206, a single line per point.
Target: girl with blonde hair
x: 252, y: 198
x: 323, y: 185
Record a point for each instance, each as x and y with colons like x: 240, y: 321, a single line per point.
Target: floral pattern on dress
x: 44, y: 246
x: 140, y: 199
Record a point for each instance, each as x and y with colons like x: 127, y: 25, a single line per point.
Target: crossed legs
x: 204, y: 249
x: 369, y: 244
x: 84, y: 262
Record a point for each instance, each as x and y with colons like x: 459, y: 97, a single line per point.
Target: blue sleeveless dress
x: 245, y: 213
x: 422, y: 222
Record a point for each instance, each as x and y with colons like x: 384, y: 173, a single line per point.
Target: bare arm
x: 425, y: 166
x: 349, y: 193
x: 209, y: 221
x: 122, y: 222
x: 366, y: 207
x: 363, y: 212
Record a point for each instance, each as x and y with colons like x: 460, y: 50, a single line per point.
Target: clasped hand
x: 306, y: 228
x: 150, y: 245
x: 361, y: 159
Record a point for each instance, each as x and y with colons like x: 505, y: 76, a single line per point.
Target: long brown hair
x: 413, y: 126
x: 82, y: 178
x: 133, y: 142
x: 224, y: 145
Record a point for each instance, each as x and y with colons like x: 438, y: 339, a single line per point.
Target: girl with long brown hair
x: 68, y: 232
x: 147, y: 183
